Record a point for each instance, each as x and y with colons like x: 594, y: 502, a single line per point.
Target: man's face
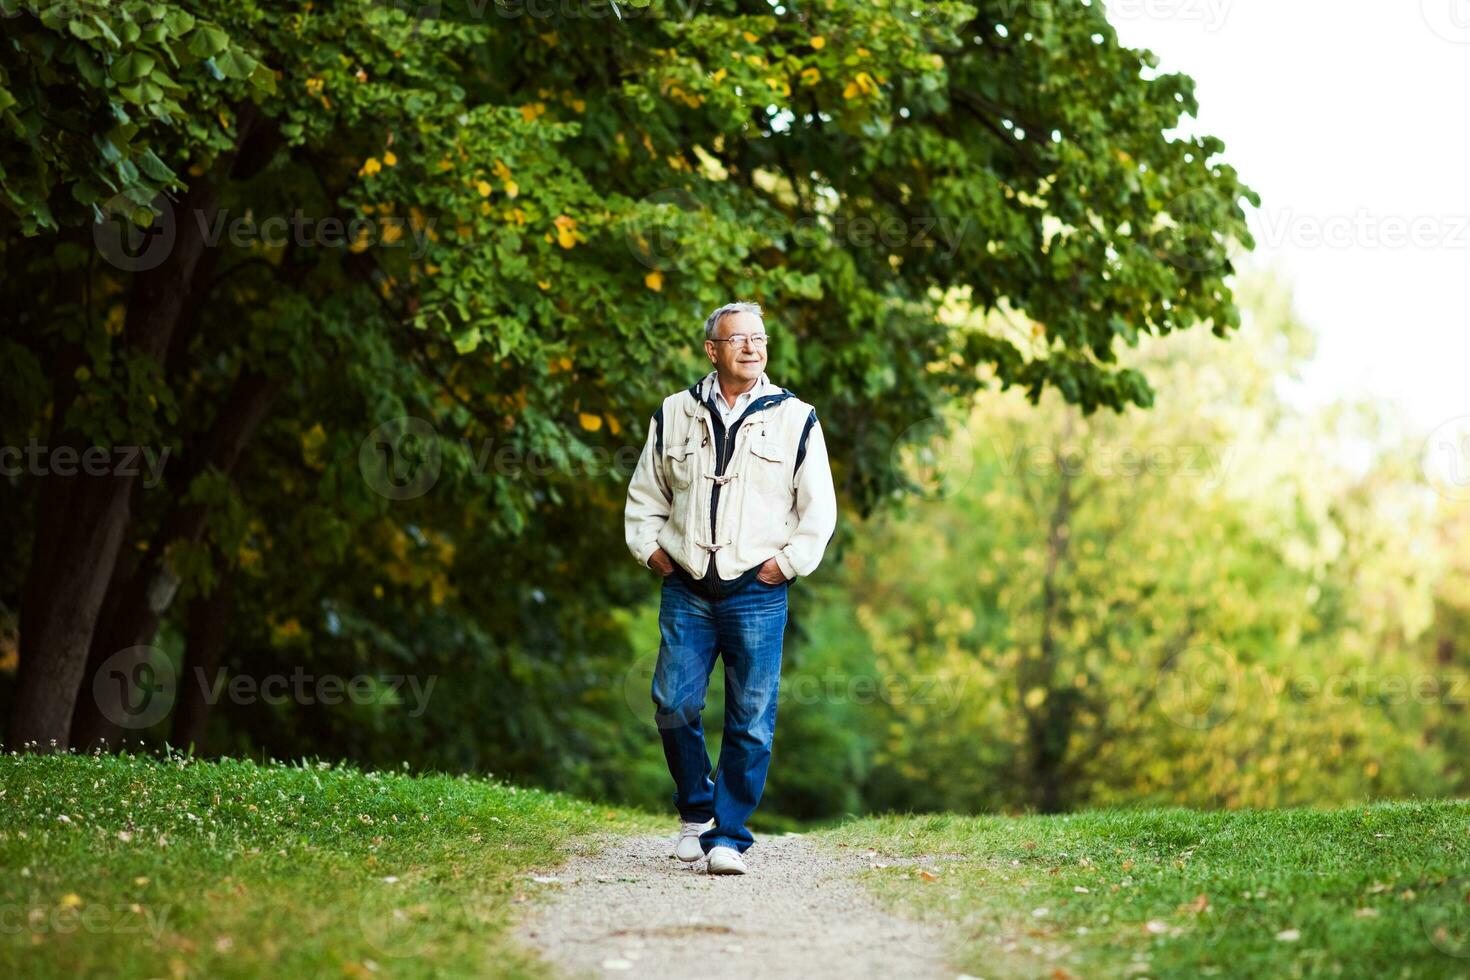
x: 743, y: 362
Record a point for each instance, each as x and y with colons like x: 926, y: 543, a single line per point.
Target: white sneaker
x: 726, y: 861
x: 689, y: 848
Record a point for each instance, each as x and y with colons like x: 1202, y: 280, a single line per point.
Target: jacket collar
x: 706, y: 389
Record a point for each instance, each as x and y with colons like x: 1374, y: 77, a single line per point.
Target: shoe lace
x: 691, y: 829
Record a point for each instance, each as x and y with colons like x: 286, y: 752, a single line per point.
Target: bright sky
x: 1348, y: 117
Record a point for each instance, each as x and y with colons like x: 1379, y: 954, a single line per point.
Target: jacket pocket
x: 681, y: 462
x: 767, y: 469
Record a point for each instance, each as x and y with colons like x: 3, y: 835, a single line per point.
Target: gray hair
x: 713, y: 323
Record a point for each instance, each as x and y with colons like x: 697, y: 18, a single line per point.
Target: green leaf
x: 208, y: 41
x: 106, y: 32
x: 468, y: 340
x: 235, y: 63
x: 156, y: 168
x: 133, y: 66
x: 178, y: 22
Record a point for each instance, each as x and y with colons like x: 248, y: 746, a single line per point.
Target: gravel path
x: 625, y: 905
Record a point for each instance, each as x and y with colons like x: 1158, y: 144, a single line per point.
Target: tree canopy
x: 255, y: 233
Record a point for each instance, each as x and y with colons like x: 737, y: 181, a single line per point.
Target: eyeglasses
x: 757, y: 340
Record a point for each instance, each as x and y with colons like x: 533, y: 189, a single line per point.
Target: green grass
x: 1372, y: 891
x: 131, y: 866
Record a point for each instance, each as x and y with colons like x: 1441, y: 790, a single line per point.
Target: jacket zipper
x: 729, y: 455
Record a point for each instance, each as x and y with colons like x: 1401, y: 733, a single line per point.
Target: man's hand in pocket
x: 771, y: 573
x: 661, y: 562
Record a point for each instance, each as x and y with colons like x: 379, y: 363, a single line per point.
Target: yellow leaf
x: 752, y: 38
x: 811, y: 76
x: 312, y: 441
x: 613, y: 426
x: 287, y: 631
x: 71, y: 900
x: 484, y: 188
x: 654, y: 281
x: 543, y: 284
x: 819, y: 42
x: 566, y: 231
x: 590, y: 422
x: 512, y: 189
x: 389, y: 159
x: 370, y: 167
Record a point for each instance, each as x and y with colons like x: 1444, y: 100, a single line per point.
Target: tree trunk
x: 139, y: 595
x: 83, y: 519
x: 1049, y: 723
x: 203, y: 652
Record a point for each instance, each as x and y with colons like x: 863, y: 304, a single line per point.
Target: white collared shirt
x: 729, y: 413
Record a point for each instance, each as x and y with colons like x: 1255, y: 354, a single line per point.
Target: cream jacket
x: 769, y: 494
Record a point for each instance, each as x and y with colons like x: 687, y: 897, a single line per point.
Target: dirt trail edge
x: 626, y: 906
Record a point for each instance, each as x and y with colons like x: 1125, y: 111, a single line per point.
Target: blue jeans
x: 747, y: 627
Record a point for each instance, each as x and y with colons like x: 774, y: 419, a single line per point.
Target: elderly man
x: 732, y: 499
